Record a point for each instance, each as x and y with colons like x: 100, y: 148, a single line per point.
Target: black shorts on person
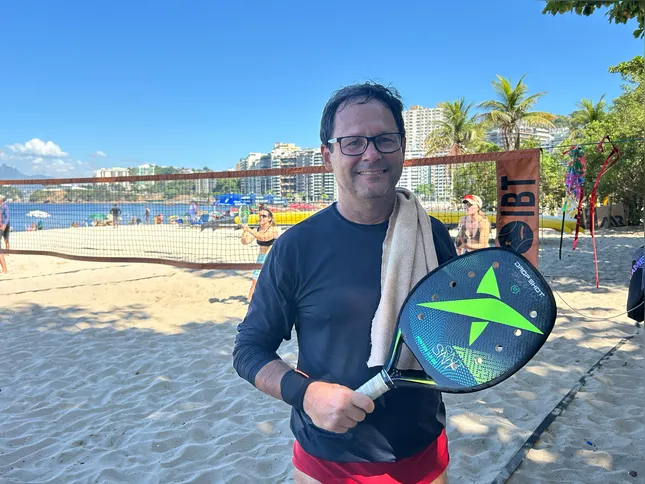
x: 5, y: 232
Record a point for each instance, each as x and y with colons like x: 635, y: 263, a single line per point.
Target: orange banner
x: 518, y: 183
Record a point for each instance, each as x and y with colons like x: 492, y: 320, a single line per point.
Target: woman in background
x: 474, y: 227
x: 265, y: 234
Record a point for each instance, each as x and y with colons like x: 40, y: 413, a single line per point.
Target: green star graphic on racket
x: 485, y: 310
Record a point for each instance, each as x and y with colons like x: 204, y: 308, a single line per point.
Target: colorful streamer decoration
x: 574, y: 184
x: 610, y: 161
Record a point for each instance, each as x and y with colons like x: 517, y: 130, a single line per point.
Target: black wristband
x: 293, y: 387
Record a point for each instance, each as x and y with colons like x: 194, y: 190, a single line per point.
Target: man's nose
x: 371, y: 153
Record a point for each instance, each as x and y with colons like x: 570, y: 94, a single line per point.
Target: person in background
x: 5, y: 227
x: 147, y: 215
x: 4, y: 231
x: 116, y: 213
x: 192, y: 211
x: 636, y: 294
x: 474, y: 227
x: 265, y: 234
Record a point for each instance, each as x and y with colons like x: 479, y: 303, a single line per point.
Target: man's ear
x: 326, y: 154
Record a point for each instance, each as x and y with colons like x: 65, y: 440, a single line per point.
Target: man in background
x: 116, y: 213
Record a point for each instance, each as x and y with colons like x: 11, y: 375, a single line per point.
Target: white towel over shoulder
x: 408, y: 255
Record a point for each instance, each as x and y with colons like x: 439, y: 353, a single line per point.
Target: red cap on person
x: 474, y: 200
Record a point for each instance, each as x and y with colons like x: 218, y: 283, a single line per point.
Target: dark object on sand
x: 211, y: 224
x: 636, y: 296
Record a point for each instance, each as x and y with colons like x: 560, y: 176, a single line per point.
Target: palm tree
x: 458, y: 132
x: 588, y: 112
x: 512, y: 109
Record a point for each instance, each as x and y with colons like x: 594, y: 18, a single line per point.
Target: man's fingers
x: 356, y: 414
x: 363, y: 402
x: 346, y: 423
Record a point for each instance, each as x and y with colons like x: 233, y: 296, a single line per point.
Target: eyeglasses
x: 468, y: 204
x: 263, y: 216
x: 357, y: 145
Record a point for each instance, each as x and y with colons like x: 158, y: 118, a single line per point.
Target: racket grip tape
x: 375, y: 387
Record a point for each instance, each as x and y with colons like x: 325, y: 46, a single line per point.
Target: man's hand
x: 336, y: 408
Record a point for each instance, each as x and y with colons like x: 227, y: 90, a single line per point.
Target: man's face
x: 372, y: 174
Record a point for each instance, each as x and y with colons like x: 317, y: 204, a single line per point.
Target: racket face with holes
x: 476, y: 320
x: 244, y: 214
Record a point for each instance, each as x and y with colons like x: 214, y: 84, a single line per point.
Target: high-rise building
x: 283, y: 155
x: 250, y: 162
x: 542, y: 135
x: 314, y: 187
x: 420, y: 122
x: 557, y: 136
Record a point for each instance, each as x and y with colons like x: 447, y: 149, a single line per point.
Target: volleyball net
x: 191, y: 219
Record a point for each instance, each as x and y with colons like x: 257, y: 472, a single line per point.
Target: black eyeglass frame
x: 369, y: 139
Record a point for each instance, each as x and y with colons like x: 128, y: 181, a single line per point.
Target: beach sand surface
x: 115, y: 372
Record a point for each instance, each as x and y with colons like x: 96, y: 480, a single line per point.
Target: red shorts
x: 421, y: 468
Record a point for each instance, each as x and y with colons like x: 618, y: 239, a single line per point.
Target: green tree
x: 562, y: 121
x: 11, y: 192
x: 512, y: 109
x: 625, y: 119
x: 478, y: 179
x: 619, y: 11
x: 166, y: 170
x: 424, y: 190
x: 227, y: 185
x: 552, y: 176
x: 457, y: 133
x: 588, y: 112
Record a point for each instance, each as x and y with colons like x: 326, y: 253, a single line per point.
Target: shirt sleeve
x: 269, y: 320
x: 442, y: 241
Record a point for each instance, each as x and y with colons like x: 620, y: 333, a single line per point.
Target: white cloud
x: 99, y: 154
x: 37, y: 157
x: 37, y: 147
x: 53, y: 166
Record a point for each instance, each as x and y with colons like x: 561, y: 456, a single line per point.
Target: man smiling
x: 324, y: 276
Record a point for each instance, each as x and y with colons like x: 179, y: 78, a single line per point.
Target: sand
x: 123, y: 373
x: 168, y: 241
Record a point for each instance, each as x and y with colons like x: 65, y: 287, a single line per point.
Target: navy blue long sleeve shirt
x: 324, y: 276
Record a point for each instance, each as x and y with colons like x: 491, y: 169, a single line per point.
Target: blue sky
x: 203, y: 83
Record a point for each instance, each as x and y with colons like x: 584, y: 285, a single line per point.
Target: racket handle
x: 375, y: 387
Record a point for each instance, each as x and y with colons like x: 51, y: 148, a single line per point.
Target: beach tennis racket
x: 471, y: 323
x: 244, y: 213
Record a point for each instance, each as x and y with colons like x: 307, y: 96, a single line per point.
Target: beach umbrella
x: 38, y: 214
